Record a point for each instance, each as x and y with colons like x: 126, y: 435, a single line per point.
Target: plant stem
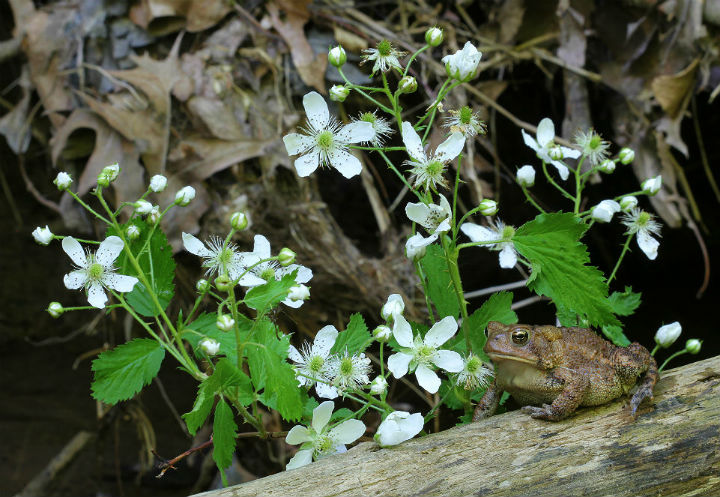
x: 622, y: 254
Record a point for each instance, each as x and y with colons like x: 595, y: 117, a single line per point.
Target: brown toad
x: 561, y: 369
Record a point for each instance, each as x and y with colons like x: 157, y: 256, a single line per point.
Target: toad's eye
x: 519, y: 337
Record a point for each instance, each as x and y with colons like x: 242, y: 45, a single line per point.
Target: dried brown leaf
x: 166, y: 16
x: 673, y: 91
x: 15, y: 125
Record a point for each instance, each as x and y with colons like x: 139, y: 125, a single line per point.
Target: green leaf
x: 204, y: 326
x: 224, y: 432
x: 267, y: 350
x: 264, y: 297
x: 439, y: 284
x: 201, y: 407
x: 625, y: 303
x: 615, y: 335
x: 495, y: 308
x: 355, y: 339
x: 154, y: 255
x: 120, y: 373
x: 560, y: 267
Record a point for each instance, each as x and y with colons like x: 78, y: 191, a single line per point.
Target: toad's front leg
x: 565, y: 403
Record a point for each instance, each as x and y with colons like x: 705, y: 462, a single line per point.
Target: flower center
x: 316, y: 365
x: 424, y: 353
x: 508, y: 232
x: 435, y: 168
x: 643, y: 219
x: 595, y: 141
x: 323, y: 445
x: 268, y: 274
x: 465, y: 115
x: 95, y: 271
x: 473, y: 365
x: 324, y: 140
x: 346, y: 367
x: 384, y: 48
x: 368, y: 117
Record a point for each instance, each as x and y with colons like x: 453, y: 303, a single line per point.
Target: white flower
x: 349, y: 372
x: 312, y: 362
x: 498, y: 231
x: 488, y: 207
x: 385, y: 57
x: 652, y: 185
x: 420, y: 354
x: 474, y: 374
x: 434, y: 218
x: 317, y: 440
x: 465, y: 121
x: 185, y: 195
x: 666, y: 335
x: 325, y: 141
x: 225, y: 322
x: 378, y: 385
x: 221, y: 259
x: 299, y: 293
x: 154, y: 216
x: 42, y: 235
x: 394, y: 305
x: 264, y: 271
x: 628, y: 203
x: 63, y: 181
x: 604, y: 211
x: 644, y: 225
x: 428, y: 171
x: 543, y: 144
x: 416, y: 246
x: 526, y: 176
x: 382, y: 333
x: 462, y: 65
x: 398, y: 427
x: 158, y: 183
x: 210, y: 346
x: 380, y: 126
x: 593, y: 147
x: 143, y: 207
x: 94, y: 272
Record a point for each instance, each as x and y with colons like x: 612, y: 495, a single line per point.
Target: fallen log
x: 672, y: 448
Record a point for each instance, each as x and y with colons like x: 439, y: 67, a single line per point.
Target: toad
x: 562, y: 369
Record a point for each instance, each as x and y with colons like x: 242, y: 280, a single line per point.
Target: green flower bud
x: 488, y: 207
x: 286, y: 257
x: 407, y: 84
x: 225, y: 322
x: 202, y: 285
x: 55, y: 309
x: 132, y: 232
x: 238, y: 221
x: 626, y: 155
x: 434, y: 36
x: 693, y: 346
x: 337, y: 56
x: 339, y: 93
x: 223, y: 283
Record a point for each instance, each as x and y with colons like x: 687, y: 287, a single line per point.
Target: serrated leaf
x: 439, y: 284
x: 355, y: 339
x: 625, y: 303
x: 224, y: 432
x: 205, y: 326
x: 122, y: 372
x: 201, y: 408
x: 154, y: 255
x: 560, y: 270
x: 264, y: 297
x: 615, y: 335
x: 498, y: 307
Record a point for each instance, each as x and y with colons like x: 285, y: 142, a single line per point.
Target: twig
x: 528, y: 301
x: 497, y: 288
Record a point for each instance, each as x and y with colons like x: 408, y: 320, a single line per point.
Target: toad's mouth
x: 497, y: 356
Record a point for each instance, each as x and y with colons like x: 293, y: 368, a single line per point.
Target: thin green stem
x: 90, y: 209
x: 412, y: 58
x: 531, y: 200
x: 451, y: 257
x: 361, y: 92
x: 679, y: 352
x: 622, y: 254
x: 554, y: 183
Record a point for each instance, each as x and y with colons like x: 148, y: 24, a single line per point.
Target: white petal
x: 251, y: 280
x: 417, y: 213
x: 324, y: 340
x: 478, y: 233
x: 427, y: 378
x: 321, y: 415
x: 442, y: 227
x: 295, y: 143
x: 316, y: 110
x: 303, y: 274
x: 441, y: 332
x: 561, y: 168
x: 195, y: 246
x: 347, y: 431
x: 73, y: 248
x: 530, y: 141
x: 294, y: 355
x: 298, y: 434
x: 109, y: 250
x: 545, y: 132
x: 302, y: 458
x: 570, y: 153
x: 450, y: 148
x: 261, y: 247
x: 648, y: 244
x: 96, y: 295
x: 508, y: 257
x: 75, y: 279
x: 346, y: 163
x: 402, y: 331
x: 358, y: 131
x: 448, y: 360
x: 293, y: 303
x: 445, y: 205
x: 340, y: 449
x: 398, y: 364
x: 412, y: 142
x: 326, y: 391
x: 119, y: 282
x: 306, y: 164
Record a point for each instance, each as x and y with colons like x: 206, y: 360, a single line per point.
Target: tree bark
x: 672, y: 448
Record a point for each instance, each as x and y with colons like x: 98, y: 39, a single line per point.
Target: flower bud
x: 154, y: 215
x: 407, y: 84
x: 299, y: 292
x: 526, y: 176
x: 378, y: 386
x: 604, y: 211
x: 628, y: 203
x: 415, y: 247
x: 666, y: 335
x: 652, y: 185
x: 607, y: 166
x: 556, y: 152
x: 394, y: 305
x: 42, y: 235
x: 463, y: 64
x: 158, y: 183
x: 626, y: 155
x: 238, y: 221
x: 693, y: 346
x: 286, y: 257
x: 488, y: 207
x: 210, y: 346
x: 202, y: 285
x: 223, y: 283
x: 337, y: 56
x: 108, y: 175
x: 225, y: 322
x: 63, y: 181
x: 434, y: 36
x: 184, y: 196
x: 382, y: 333
x: 55, y: 309
x: 338, y: 93
x: 143, y: 207
x: 132, y: 232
